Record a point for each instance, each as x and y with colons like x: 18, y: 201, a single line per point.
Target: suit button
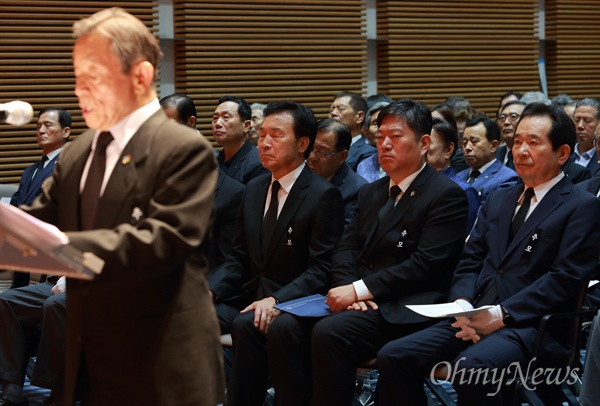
x: 370, y: 266
x: 500, y: 272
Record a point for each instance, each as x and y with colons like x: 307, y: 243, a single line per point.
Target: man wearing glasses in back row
x: 328, y: 160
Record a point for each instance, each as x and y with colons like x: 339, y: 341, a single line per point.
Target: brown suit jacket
x: 144, y: 331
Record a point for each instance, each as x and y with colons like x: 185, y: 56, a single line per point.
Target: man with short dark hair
x: 507, y: 120
x: 53, y: 131
x: 532, y: 250
x: 328, y: 160
x: 228, y: 192
x: 485, y: 173
x: 288, y: 226
x: 401, y: 247
x: 350, y: 108
x: 181, y: 108
x: 230, y: 125
x: 587, y: 118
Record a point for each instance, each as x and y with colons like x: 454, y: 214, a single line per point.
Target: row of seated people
x: 393, y: 251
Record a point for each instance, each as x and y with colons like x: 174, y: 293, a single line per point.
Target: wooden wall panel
x: 430, y: 50
x: 36, y: 66
x: 269, y: 50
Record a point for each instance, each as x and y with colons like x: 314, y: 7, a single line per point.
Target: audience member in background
x: 181, y: 108
x: 441, y: 149
x: 350, y: 109
x: 328, y: 160
x: 532, y: 250
x: 457, y: 103
x: 283, y: 256
x: 587, y: 118
x: 401, y: 247
x: 461, y: 117
x: 535, y: 97
x: 377, y: 98
x: 230, y: 125
x: 509, y: 96
x: 562, y: 100
x: 228, y: 192
x: 369, y: 168
x: 444, y: 112
x: 256, y: 121
x: 53, y: 130
x: 507, y: 120
x: 485, y: 172
x: 592, y: 185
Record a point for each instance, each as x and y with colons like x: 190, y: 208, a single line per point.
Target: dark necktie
x: 509, y: 160
x: 38, y: 171
x: 270, y: 219
x: 93, y: 183
x: 474, y: 174
x: 521, y: 213
x: 389, y: 205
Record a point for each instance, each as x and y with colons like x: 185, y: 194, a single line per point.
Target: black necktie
x: 521, y: 213
x: 474, y: 174
x: 509, y: 160
x: 389, y: 205
x: 93, y: 183
x: 38, y: 171
x: 270, y: 219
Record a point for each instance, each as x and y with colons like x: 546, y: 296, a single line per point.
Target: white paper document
x: 445, y: 310
x: 28, y: 244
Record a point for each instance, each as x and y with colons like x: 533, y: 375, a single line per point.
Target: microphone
x: 16, y: 113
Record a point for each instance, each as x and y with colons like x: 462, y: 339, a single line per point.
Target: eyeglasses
x: 512, y: 117
x: 321, y: 153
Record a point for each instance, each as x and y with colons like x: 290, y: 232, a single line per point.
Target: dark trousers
x: 32, y: 320
x: 314, y: 361
x: 404, y: 363
x: 249, y: 375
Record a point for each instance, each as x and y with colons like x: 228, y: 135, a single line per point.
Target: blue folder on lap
x: 309, y: 306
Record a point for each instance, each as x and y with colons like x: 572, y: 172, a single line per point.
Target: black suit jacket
x: 297, y: 262
x: 349, y: 183
x: 544, y: 267
x: 28, y: 191
x: 244, y: 165
x: 228, y: 197
x: 409, y: 260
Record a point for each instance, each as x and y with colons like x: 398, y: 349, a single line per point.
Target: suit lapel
x: 46, y: 171
x: 409, y: 197
x: 124, y: 176
x: 553, y: 200
x: 487, y: 175
x: 504, y: 223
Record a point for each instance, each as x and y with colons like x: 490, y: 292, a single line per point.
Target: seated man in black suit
x: 532, y: 250
x: 401, y: 247
x: 228, y: 192
x: 328, y: 160
x: 53, y: 131
x: 283, y: 256
x: 230, y: 126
